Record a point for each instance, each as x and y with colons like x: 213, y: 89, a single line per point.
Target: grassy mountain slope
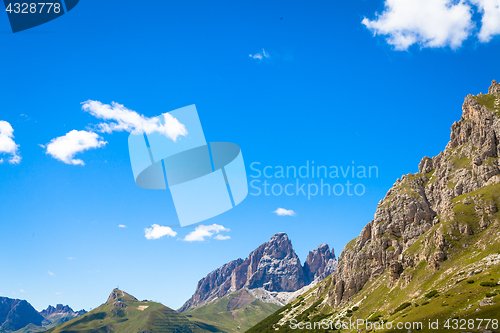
x: 432, y: 251
x: 128, y: 315
x: 234, y: 312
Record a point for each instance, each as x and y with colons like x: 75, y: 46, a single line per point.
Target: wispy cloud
x: 259, y: 55
x: 7, y: 144
x: 284, y: 212
x: 64, y: 148
x: 22, y: 291
x: 71, y: 258
x: 157, y: 231
x: 122, y: 226
x: 221, y: 237
x: 50, y: 273
x: 202, y: 232
x: 435, y: 23
x: 119, y: 119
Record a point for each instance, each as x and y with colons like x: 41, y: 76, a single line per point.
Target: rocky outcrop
x: 273, y: 267
x: 118, y: 295
x: 417, y: 202
x: 216, y: 284
x: 16, y: 314
x: 319, y: 263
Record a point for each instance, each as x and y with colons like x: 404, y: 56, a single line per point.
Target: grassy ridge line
x: 233, y: 318
x: 155, y: 318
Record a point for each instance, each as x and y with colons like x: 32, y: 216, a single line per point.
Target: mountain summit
x: 272, y: 268
x: 432, y: 251
x: 16, y: 314
x: 122, y: 312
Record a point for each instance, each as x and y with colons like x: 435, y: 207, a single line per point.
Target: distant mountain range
x: 123, y: 313
x: 21, y: 317
x: 233, y: 297
x: 240, y: 293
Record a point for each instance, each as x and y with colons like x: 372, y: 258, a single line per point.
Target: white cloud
x: 284, y: 212
x: 7, y: 144
x: 122, y: 226
x: 490, y: 22
x: 431, y: 23
x: 71, y: 258
x: 122, y: 119
x: 260, y: 56
x: 157, y: 231
x: 221, y: 237
x: 50, y: 273
x: 206, y: 231
x: 64, y: 148
x: 22, y: 291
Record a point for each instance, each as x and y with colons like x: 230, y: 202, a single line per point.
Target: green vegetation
x: 131, y: 316
x: 486, y: 100
x: 402, y: 307
x: 235, y: 312
x: 488, y: 284
x: 431, y: 294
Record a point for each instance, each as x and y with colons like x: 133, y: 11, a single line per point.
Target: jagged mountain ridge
x: 435, y: 233
x: 272, y: 267
x: 16, y: 314
x: 60, y: 309
x: 20, y: 316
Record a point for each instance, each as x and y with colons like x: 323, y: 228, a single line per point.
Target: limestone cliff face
x: 273, y: 266
x: 320, y: 263
x: 417, y: 202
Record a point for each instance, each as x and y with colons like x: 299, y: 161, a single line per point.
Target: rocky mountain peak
x: 418, y: 202
x: 119, y: 295
x: 61, y: 309
x: 16, y: 314
x: 273, y: 266
x: 319, y: 263
x: 494, y: 88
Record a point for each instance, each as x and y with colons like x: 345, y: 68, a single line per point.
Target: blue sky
x: 326, y: 90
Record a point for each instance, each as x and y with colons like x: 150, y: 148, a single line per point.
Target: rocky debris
x: 418, y: 202
x: 120, y: 304
x: 273, y: 267
x: 485, y: 302
x: 16, y: 314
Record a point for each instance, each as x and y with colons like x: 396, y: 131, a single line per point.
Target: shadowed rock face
x: 273, y: 266
x: 417, y: 202
x: 16, y: 314
x: 319, y: 263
